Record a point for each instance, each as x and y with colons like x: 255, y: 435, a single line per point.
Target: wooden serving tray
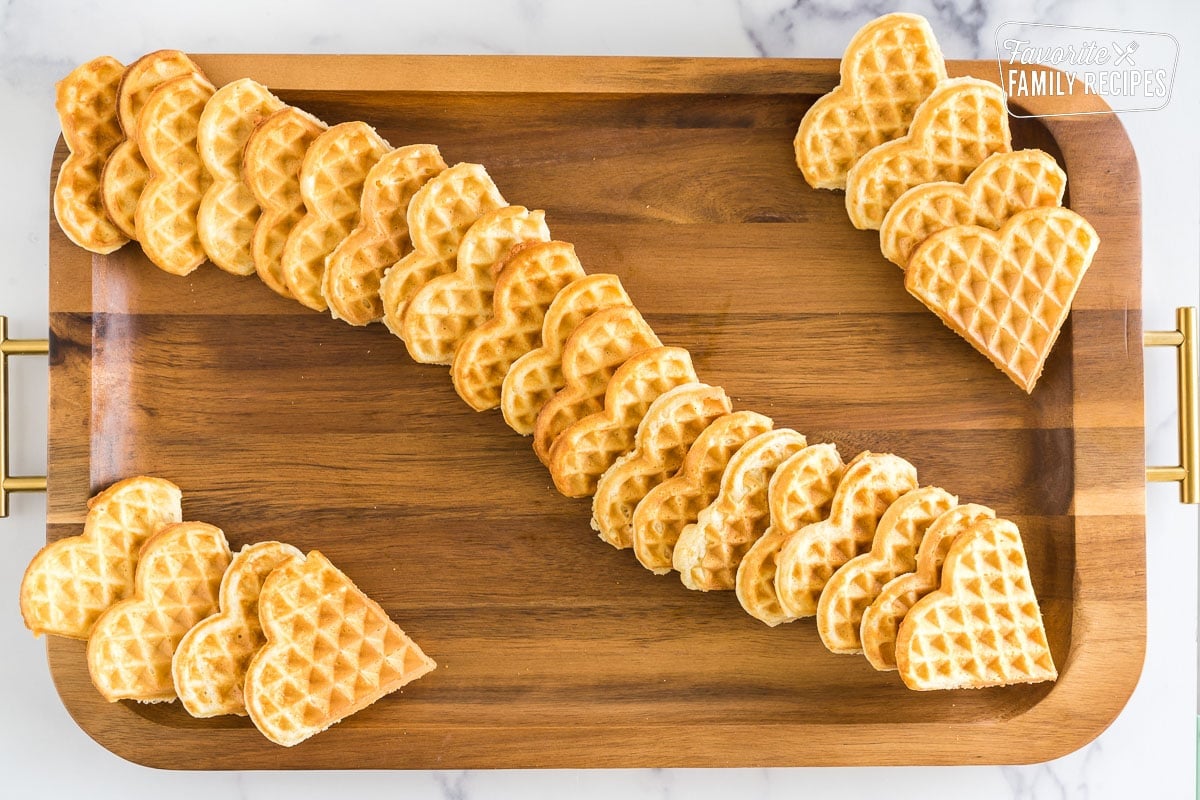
x: 556, y: 650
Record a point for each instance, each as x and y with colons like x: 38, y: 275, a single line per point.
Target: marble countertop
x: 1149, y: 750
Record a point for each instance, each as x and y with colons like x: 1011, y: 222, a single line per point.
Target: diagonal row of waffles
x: 928, y: 162
x: 722, y: 497
x: 170, y: 613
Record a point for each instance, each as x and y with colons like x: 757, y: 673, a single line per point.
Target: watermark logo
x: 1053, y: 68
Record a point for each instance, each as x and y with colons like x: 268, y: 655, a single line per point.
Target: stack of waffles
x: 344, y: 222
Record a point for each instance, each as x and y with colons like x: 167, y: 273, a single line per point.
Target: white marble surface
x: 1149, y: 751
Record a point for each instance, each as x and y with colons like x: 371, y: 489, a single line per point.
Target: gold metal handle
x: 14, y: 347
x: 1184, y: 340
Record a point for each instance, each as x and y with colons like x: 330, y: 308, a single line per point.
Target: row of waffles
x: 170, y: 613
x: 677, y: 474
x: 927, y: 161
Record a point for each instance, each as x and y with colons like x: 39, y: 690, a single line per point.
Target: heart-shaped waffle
x: 602, y: 343
x: 209, y: 665
x: 893, y: 552
x: 671, y: 425
x: 332, y: 176
x: 167, y: 139
x: 534, y: 378
x: 271, y: 164
x: 800, y: 493
x: 676, y: 502
x: 229, y: 212
x: 177, y: 584
x: 86, y: 102
x: 530, y: 277
x: 889, y: 68
x: 71, y: 582
x: 709, y: 550
x: 810, y: 556
x: 881, y: 620
x: 330, y: 651
x: 445, y: 310
x: 1008, y: 293
x: 125, y: 173
x: 587, y: 449
x: 1003, y: 185
x: 356, y: 266
x: 960, y: 124
x: 983, y: 627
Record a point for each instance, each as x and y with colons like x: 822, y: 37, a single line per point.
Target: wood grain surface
x: 554, y: 649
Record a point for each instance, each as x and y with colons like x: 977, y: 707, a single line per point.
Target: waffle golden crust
x: 676, y: 502
x: 440, y: 215
x: 71, y: 582
x: 356, y: 266
x: 983, y: 626
x: 587, y: 449
x: 125, y: 173
x: 671, y: 425
x: 893, y: 552
x: 445, y: 310
x: 890, y: 66
x: 800, y: 493
x: 229, y: 212
x: 177, y: 583
x: 1008, y: 293
x: 1003, y: 185
x: 534, y: 378
x: 271, y: 164
x: 86, y: 102
x: 810, y: 556
x: 881, y: 620
x: 332, y: 176
x: 530, y: 277
x: 167, y: 138
x: 709, y: 550
x: 602, y: 343
x: 331, y: 651
x: 960, y: 124
x: 209, y: 665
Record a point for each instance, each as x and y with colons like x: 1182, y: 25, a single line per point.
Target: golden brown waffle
x: 229, y: 212
x: 587, y: 449
x: 271, y: 169
x: 800, y: 493
x: 893, y: 552
x: 86, y: 102
x: 983, y: 626
x: 881, y: 620
x: 332, y: 175
x: 598, y: 346
x: 889, y: 68
x: 166, y: 212
x: 72, y: 581
x: 960, y: 124
x: 1008, y: 293
x: 534, y: 378
x: 810, y: 556
x: 209, y: 665
x: 439, y: 217
x: 445, y: 310
x: 356, y: 266
x: 125, y: 173
x: 1003, y: 185
x: 529, y: 279
x: 709, y: 550
x: 176, y: 585
x: 331, y: 651
x: 677, y: 502
x: 671, y: 425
